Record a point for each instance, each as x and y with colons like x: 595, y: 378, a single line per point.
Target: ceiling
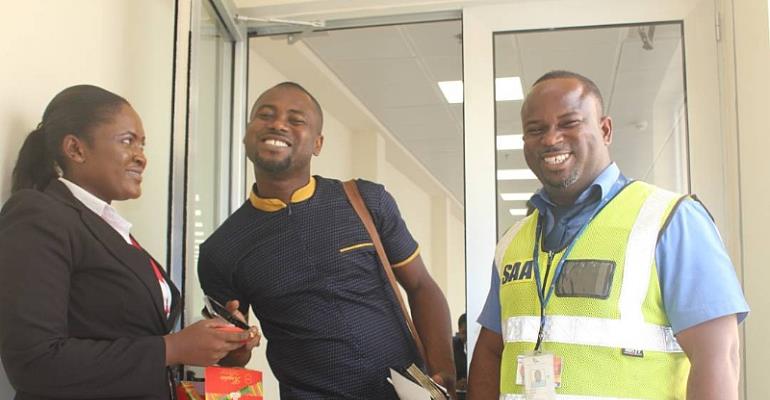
x: 394, y: 70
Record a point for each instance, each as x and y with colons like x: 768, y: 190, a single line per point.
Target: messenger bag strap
x: 351, y: 190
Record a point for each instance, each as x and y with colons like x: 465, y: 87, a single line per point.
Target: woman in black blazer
x: 85, y: 313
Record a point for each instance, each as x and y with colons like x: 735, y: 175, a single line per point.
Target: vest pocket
x: 586, y: 278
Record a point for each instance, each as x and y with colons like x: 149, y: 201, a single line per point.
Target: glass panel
x: 640, y: 71
x: 209, y: 144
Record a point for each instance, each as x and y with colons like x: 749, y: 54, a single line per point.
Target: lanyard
x: 541, y: 292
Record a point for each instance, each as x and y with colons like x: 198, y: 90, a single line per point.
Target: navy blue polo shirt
x: 312, y: 277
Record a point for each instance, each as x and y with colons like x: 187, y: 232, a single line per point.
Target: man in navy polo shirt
x: 299, y: 256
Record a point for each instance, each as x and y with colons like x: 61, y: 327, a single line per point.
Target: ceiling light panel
x: 510, y: 142
x: 515, y: 174
x: 506, y: 89
x: 516, y: 196
x: 452, y: 90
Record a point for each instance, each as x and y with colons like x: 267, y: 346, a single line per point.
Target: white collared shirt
x: 100, y: 208
x: 120, y: 224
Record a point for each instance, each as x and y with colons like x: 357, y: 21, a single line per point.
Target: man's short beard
x: 566, y: 182
x: 273, y: 166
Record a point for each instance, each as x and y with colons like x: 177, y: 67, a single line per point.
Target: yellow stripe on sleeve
x: 408, y: 259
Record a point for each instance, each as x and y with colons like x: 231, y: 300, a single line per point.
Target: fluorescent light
x: 510, y: 142
x: 518, y: 211
x: 452, y: 90
x: 506, y: 88
x: 516, y: 196
x: 514, y: 174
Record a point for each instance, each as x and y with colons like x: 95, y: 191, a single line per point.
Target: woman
x: 84, y: 311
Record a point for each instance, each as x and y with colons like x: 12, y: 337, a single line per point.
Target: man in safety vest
x: 611, y: 288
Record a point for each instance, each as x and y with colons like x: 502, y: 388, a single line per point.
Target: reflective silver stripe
x: 640, y: 254
x: 510, y: 396
x: 590, y: 331
x: 521, y: 329
x: 505, y: 241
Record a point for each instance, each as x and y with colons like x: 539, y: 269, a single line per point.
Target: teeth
x: 277, y: 143
x: 557, y: 159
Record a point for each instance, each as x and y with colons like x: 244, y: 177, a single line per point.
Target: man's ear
x: 73, y: 149
x: 606, y: 127
x: 318, y: 144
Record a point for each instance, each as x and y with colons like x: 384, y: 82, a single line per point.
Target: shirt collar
x: 271, y: 205
x: 603, y: 183
x: 100, y: 208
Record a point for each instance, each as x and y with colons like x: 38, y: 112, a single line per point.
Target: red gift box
x: 224, y: 384
x: 233, y: 384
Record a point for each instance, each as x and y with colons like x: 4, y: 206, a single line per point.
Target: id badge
x: 540, y: 374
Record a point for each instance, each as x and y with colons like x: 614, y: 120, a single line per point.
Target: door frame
x: 233, y: 167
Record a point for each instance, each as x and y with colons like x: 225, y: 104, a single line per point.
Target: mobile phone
x: 216, y: 309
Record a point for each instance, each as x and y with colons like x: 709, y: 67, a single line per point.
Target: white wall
x: 455, y: 251
x: 752, y: 85
x: 415, y: 206
x: 125, y: 46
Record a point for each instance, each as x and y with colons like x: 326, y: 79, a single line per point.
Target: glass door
x: 213, y: 159
x: 637, y: 55
x: 209, y: 143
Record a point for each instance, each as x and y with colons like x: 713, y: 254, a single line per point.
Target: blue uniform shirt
x: 692, y: 262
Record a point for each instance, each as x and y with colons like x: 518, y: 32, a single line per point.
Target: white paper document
x: 406, y: 389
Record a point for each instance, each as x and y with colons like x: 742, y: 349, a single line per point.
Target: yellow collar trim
x: 271, y: 205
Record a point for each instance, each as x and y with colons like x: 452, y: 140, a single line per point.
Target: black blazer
x: 81, y: 313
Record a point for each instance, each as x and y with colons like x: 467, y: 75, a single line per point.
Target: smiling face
x: 283, y: 133
x: 110, y: 162
x: 566, y: 139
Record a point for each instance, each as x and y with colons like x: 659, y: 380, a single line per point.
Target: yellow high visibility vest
x: 618, y: 347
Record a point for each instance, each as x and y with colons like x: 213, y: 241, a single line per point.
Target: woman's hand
x: 202, y: 343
